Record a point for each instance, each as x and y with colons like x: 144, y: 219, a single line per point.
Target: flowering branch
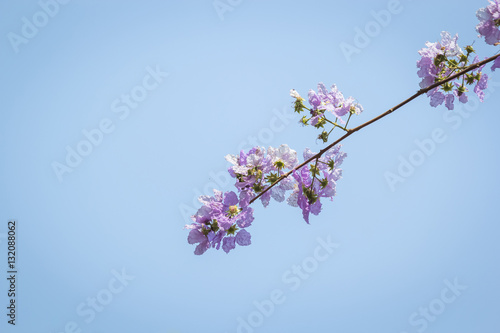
x: 446, y: 71
x: 353, y: 130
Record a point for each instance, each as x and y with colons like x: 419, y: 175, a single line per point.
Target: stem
x: 347, y: 122
x: 314, y: 175
x: 336, y: 125
x: 388, y: 112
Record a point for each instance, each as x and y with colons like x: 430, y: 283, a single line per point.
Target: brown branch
x: 353, y: 130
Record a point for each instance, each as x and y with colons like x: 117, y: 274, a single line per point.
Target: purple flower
x: 218, y: 219
x: 463, y: 98
x: 332, y: 101
x: 282, y: 157
x: 228, y: 244
x: 257, y: 170
x: 428, y: 70
x: 489, y: 22
x: 437, y: 63
x: 315, y: 101
x: 308, y: 190
x: 249, y: 170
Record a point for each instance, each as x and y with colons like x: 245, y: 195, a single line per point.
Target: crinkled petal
x: 437, y: 98
x: 245, y: 217
x: 217, y: 239
x: 496, y: 64
x: 228, y: 244
x: 314, y: 100
x: 316, y: 207
x: 265, y: 198
x: 292, y: 199
x: 233, y: 159
x: 463, y: 98
x: 202, y: 248
x: 449, y: 101
x: 308, y: 153
x: 278, y: 193
x: 196, y: 236
x: 243, y: 238
x: 295, y: 94
x: 230, y: 199
x: 245, y: 197
x: 483, y: 82
x: 305, y: 213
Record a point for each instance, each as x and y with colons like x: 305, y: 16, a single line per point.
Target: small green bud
x: 311, y: 196
x: 321, y: 123
x: 272, y: 178
x: 298, y: 106
x: 448, y: 86
x: 469, y: 78
x: 304, y: 120
x: 257, y: 187
x: 232, y: 230
x: 323, y: 136
x: 314, y: 170
x: 323, y: 182
x: 452, y: 63
x: 469, y: 49
x: 215, y: 226
x: 439, y: 59
x: 331, y: 165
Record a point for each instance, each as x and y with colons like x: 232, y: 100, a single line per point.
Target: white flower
x: 283, y: 155
x: 237, y: 168
x: 450, y: 44
x: 295, y: 94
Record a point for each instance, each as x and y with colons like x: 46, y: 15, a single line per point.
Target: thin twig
x: 353, y: 130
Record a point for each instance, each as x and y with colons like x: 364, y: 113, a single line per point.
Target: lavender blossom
x: 217, y: 220
x: 489, y: 22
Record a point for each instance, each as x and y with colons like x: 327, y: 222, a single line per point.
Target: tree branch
x: 353, y: 130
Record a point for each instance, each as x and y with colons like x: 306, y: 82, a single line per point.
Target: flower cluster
x: 489, y: 22
x: 442, y: 59
x: 331, y: 101
x: 220, y: 220
x: 317, y: 180
x: 256, y: 169
x: 276, y: 173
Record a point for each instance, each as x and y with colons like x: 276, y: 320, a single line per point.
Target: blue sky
x: 101, y: 245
